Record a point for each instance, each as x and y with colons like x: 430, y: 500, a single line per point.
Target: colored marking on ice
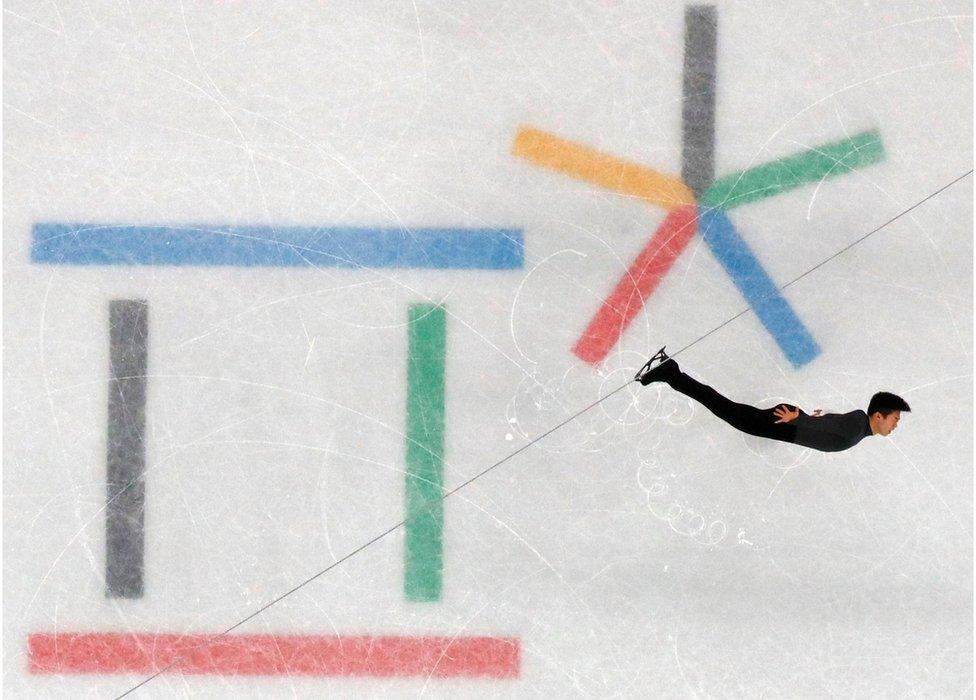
x: 272, y: 246
x: 637, y: 284
x: 697, y: 173
x: 126, y: 448
x: 674, y: 234
x: 756, y: 286
x: 698, y: 98
x: 584, y: 163
x: 778, y: 176
x: 425, y: 453
x: 274, y: 655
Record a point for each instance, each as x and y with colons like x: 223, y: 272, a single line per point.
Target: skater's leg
x: 748, y: 419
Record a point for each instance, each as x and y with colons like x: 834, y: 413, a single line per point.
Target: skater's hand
x: 785, y: 415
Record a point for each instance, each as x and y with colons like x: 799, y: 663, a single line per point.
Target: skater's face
x: 883, y: 425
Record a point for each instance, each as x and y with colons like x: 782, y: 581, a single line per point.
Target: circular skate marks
x: 667, y: 503
x: 676, y: 409
x: 542, y: 401
x: 637, y: 403
x: 690, y: 487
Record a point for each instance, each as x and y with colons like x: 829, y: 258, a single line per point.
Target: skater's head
x: 884, y: 411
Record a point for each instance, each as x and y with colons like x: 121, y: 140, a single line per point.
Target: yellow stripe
x: 588, y: 165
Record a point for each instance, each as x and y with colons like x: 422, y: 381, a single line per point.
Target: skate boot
x: 666, y: 369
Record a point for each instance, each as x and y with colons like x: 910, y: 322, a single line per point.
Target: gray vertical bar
x: 698, y: 109
x: 124, y: 513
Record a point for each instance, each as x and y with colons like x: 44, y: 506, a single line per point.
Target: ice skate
x: 663, y: 371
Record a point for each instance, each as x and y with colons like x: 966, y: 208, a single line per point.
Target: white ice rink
x: 177, y: 308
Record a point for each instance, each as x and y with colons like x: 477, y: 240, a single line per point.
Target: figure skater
x: 827, y: 432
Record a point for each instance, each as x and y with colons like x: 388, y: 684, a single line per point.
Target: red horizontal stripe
x: 642, y: 278
x: 270, y: 655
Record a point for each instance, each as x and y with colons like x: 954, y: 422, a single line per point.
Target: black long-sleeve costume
x: 831, y: 432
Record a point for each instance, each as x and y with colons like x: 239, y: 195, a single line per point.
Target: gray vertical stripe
x: 698, y: 108
x: 124, y: 516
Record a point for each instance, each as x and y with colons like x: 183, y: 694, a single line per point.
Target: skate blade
x: 659, y: 355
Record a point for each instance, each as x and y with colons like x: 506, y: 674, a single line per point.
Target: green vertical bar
x: 425, y: 453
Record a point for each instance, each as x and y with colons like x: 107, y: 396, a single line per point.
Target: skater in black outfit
x: 831, y: 432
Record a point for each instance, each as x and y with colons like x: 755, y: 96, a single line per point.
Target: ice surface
x: 644, y: 549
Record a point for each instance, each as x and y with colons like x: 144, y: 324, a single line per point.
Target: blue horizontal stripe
x: 272, y: 246
x: 757, y: 287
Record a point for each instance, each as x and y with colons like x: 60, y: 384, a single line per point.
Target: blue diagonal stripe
x: 757, y: 287
x: 295, y: 246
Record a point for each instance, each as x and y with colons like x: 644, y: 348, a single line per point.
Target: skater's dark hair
x: 886, y: 404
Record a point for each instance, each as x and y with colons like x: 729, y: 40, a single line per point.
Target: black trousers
x: 749, y: 419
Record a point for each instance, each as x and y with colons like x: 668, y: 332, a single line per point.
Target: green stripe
x: 425, y: 453
x: 795, y: 171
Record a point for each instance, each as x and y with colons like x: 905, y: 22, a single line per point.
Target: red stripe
x: 628, y: 297
x: 271, y: 655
